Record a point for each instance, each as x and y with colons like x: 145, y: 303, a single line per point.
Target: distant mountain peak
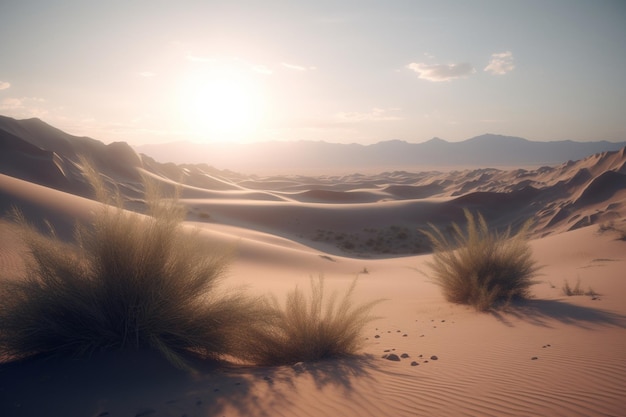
x: 436, y: 140
x: 496, y: 138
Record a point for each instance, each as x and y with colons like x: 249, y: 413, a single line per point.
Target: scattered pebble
x: 299, y: 367
x: 391, y: 357
x: 414, y: 363
x: 433, y: 358
x: 387, y: 350
x: 267, y: 378
x: 405, y: 335
x: 377, y: 336
x: 534, y: 358
x: 404, y: 355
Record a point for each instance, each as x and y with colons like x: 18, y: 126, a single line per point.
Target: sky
x: 344, y: 71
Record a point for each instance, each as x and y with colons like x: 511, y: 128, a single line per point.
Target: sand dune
x: 552, y: 355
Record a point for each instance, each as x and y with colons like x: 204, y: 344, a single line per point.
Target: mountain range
x: 487, y: 150
x: 40, y: 140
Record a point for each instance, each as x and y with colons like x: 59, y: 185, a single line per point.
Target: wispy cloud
x: 262, y: 69
x: 296, y: 67
x: 500, y: 63
x: 441, y: 72
x: 23, y: 106
x: 376, y: 114
x: 4, y: 85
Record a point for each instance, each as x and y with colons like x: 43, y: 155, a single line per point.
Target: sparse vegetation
x: 577, y: 290
x: 141, y: 282
x: 129, y: 282
x: 313, y: 328
x: 482, y: 268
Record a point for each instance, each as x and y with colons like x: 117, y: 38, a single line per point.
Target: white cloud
x: 500, y: 63
x: 23, y: 107
x: 296, y: 67
x: 376, y: 114
x: 441, y: 72
x: 262, y: 69
x: 4, y: 85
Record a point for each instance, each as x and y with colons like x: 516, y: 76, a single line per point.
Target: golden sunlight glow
x: 220, y: 108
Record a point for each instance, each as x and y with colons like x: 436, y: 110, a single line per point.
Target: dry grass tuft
x: 311, y: 328
x: 481, y: 268
x: 129, y: 282
x: 577, y: 290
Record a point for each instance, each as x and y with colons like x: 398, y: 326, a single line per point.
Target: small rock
x: 377, y: 336
x: 405, y: 335
x: 534, y: 358
x: 433, y: 358
x: 443, y: 321
x: 392, y: 357
x: 267, y: 378
x: 414, y: 363
x: 404, y: 355
x: 387, y: 350
x: 397, y: 331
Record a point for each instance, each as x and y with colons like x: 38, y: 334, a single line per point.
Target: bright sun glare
x: 220, y: 108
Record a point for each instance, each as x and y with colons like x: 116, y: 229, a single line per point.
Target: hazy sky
x: 341, y: 71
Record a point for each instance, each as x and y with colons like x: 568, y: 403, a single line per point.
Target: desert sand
x: 553, y: 355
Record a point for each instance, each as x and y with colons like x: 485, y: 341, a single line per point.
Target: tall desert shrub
x: 129, y: 282
x: 479, y: 267
x: 311, y: 328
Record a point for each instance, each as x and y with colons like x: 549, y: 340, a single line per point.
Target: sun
x: 217, y: 109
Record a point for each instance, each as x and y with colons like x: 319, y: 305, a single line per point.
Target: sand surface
x: 553, y: 355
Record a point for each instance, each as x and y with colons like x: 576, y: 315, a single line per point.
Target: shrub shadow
x: 543, y: 312
x: 142, y: 384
